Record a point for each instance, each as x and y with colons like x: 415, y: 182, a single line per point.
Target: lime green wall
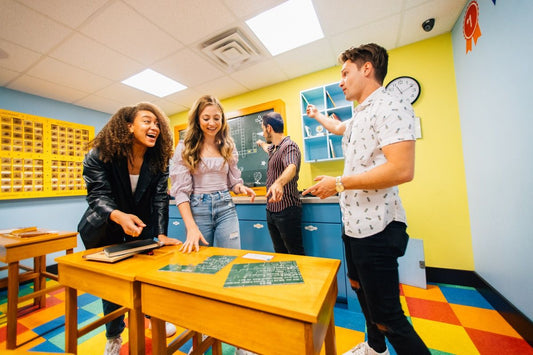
x: 436, y: 200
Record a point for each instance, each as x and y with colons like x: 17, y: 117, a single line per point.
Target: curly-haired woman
x: 126, y: 173
x: 203, y: 170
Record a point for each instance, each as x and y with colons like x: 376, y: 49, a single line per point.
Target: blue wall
x: 494, y: 92
x: 58, y: 213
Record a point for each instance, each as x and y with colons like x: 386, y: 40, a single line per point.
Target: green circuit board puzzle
x: 211, y: 265
x: 262, y: 274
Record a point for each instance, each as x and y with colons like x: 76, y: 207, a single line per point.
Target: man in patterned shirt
x: 284, y: 208
x: 379, y: 149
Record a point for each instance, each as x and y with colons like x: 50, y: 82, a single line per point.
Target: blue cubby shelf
x: 330, y: 100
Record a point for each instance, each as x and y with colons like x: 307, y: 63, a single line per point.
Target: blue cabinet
x: 321, y: 224
x: 176, y: 227
x: 253, y: 227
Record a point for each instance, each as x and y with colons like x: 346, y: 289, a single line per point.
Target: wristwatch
x: 338, y: 184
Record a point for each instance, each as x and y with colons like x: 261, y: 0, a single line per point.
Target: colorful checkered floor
x: 450, y: 319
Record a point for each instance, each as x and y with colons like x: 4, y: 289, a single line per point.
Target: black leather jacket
x: 109, y: 188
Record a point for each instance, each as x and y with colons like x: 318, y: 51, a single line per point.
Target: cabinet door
x: 255, y: 236
x: 176, y: 229
x: 324, y: 240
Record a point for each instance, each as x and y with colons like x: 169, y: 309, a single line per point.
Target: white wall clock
x: 404, y: 87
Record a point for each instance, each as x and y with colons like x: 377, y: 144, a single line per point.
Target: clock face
x: 405, y: 88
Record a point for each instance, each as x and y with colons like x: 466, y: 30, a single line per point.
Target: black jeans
x: 285, y: 229
x: 373, y: 263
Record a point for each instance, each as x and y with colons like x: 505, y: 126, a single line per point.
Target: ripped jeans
x: 372, y: 264
x: 216, y: 217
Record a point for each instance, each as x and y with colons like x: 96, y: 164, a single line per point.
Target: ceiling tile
x: 7, y: 75
x: 36, y: 86
x: 292, y: 64
x: 122, y: 28
x: 85, y: 53
x: 68, y: 12
x: 28, y: 28
x: 168, y: 107
x: 99, y: 103
x: 260, y: 75
x: 125, y: 94
x: 338, y: 16
x: 19, y: 58
x: 246, y: 9
x: 376, y: 32
x: 60, y: 73
x: 188, y: 68
x: 187, y: 21
x: 222, y: 88
x: 445, y: 13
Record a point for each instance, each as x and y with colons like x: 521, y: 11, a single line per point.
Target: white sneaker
x: 243, y: 352
x: 112, y: 347
x: 170, y: 329
x: 364, y: 349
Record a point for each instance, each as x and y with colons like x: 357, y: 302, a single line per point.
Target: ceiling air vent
x: 231, y: 50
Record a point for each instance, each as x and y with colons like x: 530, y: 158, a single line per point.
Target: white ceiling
x: 79, y: 51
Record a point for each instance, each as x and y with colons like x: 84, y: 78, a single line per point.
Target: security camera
x: 428, y: 24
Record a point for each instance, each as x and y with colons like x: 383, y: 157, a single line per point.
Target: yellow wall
x: 436, y: 200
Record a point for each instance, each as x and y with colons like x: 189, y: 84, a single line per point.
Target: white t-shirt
x: 378, y: 121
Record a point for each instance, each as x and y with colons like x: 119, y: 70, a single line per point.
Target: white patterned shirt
x: 378, y: 121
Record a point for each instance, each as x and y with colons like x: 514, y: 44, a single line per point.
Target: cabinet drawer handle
x: 310, y: 228
x: 176, y: 223
x: 258, y: 226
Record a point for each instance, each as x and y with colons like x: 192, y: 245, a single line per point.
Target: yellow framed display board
x: 41, y: 157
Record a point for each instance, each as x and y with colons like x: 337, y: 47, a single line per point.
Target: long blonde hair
x: 194, y: 139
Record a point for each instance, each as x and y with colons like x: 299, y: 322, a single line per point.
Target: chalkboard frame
x: 276, y: 106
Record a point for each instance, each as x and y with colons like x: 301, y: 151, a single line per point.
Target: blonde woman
x: 202, y: 172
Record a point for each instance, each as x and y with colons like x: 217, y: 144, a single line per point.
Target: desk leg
x: 12, y: 304
x: 329, y: 342
x: 159, y: 344
x: 39, y: 265
x: 71, y: 320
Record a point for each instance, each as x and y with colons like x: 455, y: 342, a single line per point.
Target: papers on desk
x: 263, y: 274
x: 27, y: 232
x: 254, y: 256
x: 211, y: 265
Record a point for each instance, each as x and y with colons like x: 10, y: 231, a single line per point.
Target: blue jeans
x: 285, y: 229
x: 216, y: 217
x: 115, y: 327
x: 372, y: 262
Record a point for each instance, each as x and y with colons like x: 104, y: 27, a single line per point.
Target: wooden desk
x: 12, y: 251
x: 278, y: 319
x: 113, y: 282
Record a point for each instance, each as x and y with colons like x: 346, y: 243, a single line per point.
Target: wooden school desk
x: 12, y: 251
x: 113, y: 282
x: 275, y: 319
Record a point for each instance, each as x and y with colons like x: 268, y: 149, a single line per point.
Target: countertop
x: 262, y: 200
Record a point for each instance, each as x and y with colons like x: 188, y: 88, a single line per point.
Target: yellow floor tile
x: 444, y: 337
x: 483, y: 319
x: 432, y: 293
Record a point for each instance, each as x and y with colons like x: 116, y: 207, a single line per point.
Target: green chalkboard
x: 245, y: 129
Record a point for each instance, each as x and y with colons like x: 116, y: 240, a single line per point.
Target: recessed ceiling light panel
x: 287, y: 26
x: 154, y: 83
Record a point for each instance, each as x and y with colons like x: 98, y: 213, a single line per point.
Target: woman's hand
x: 244, y: 190
x: 130, y: 223
x: 194, y: 237
x: 163, y: 239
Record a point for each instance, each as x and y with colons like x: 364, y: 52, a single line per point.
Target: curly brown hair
x: 371, y: 52
x: 194, y: 139
x: 115, y: 140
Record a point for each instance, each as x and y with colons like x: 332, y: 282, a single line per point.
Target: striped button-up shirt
x: 279, y: 158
